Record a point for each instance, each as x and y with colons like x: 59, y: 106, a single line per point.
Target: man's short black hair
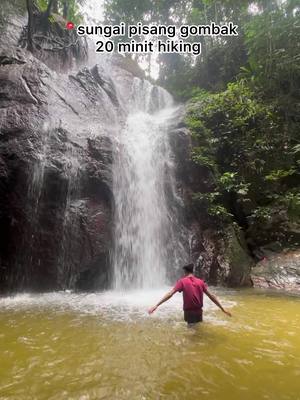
x: 189, y: 268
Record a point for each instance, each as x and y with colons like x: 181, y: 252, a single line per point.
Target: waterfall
x: 146, y: 243
x: 141, y: 168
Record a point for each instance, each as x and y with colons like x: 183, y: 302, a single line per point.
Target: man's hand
x: 227, y: 313
x: 152, y: 309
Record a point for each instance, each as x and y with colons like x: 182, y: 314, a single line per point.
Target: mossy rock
x: 239, y: 260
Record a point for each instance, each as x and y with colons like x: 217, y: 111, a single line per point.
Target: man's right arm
x: 166, y: 297
x: 177, y: 288
x: 216, y: 301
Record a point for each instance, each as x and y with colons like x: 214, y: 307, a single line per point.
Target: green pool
x: 105, y: 346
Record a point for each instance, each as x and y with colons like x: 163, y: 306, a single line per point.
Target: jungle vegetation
x: 243, y: 97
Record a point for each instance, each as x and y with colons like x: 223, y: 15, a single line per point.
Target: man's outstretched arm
x: 216, y: 301
x: 166, y: 297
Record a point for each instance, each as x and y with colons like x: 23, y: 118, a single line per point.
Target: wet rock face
x: 56, y: 140
x: 281, y: 271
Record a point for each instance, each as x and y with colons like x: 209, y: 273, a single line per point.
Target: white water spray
x: 142, y: 221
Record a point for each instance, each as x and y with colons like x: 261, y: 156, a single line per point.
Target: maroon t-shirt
x: 192, y: 289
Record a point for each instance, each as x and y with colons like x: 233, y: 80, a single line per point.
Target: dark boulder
x: 56, y: 139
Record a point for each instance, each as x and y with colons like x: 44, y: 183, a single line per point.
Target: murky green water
x: 103, y: 346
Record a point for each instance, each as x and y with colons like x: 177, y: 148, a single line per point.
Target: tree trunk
x: 65, y: 10
x: 29, y: 4
x: 48, y: 11
x: 55, y: 6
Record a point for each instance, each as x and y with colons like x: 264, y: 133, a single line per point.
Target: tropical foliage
x: 244, y: 101
x: 238, y: 135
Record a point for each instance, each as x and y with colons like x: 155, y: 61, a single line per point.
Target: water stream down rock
x: 96, y: 180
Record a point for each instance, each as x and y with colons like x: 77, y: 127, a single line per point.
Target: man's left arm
x: 215, y: 300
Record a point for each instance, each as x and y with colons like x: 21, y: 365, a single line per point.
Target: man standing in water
x: 193, y: 289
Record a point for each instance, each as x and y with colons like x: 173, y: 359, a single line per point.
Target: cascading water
x: 143, y: 225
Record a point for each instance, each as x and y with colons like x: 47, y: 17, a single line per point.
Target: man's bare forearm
x: 216, y: 301
x: 165, y: 298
